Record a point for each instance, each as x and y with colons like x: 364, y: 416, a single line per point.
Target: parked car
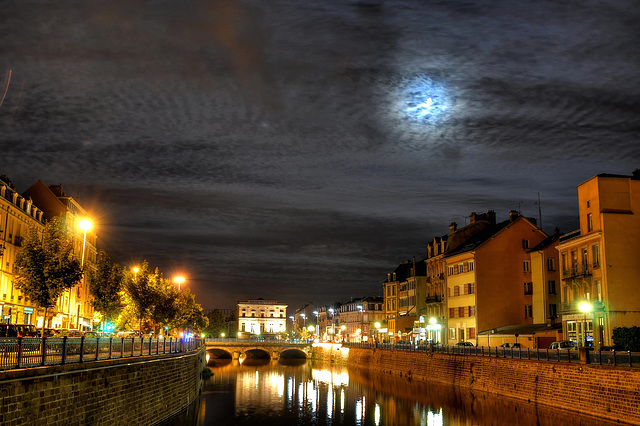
x: 8, y: 330
x: 510, y: 345
x: 92, y: 334
x: 26, y: 330
x: 49, y: 332
x: 464, y: 344
x: 562, y: 344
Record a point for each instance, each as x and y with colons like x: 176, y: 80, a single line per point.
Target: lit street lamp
x: 85, y: 225
x: 179, y: 280
x: 585, y: 307
x: 135, y: 273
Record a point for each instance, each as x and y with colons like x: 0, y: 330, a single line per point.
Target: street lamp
x: 585, y: 307
x: 179, y: 280
x: 85, y: 225
x: 135, y: 273
x: 361, y: 322
x: 343, y: 328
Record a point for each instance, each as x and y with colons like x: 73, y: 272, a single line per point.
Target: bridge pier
x: 236, y: 355
x: 275, y: 355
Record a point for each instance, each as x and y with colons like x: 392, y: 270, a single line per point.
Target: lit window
x: 526, y: 266
x: 589, y: 222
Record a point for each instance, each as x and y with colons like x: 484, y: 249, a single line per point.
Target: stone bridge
x: 241, y: 348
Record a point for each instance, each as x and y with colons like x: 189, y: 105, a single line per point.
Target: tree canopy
x: 47, y: 265
x: 105, y: 285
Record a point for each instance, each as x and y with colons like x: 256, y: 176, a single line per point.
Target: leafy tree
x: 138, y: 292
x: 627, y: 338
x: 165, y: 303
x: 189, y: 314
x: 217, y: 323
x: 105, y: 285
x: 47, y: 265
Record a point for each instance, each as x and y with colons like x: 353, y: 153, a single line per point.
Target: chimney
x: 636, y: 174
x: 472, y: 218
x: 452, y: 227
x: 513, y: 215
x: 491, y: 217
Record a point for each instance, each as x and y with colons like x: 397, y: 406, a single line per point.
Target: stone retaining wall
x: 131, y: 391
x: 608, y: 392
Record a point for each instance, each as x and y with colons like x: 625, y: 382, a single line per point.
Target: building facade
x: 261, y: 317
x: 74, y: 310
x: 17, y: 215
x: 599, y: 262
x: 400, y: 292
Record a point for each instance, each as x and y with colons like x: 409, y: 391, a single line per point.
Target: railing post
x: 97, y: 348
x: 150, y: 345
x: 614, y: 357
x: 629, y: 352
x: 81, y: 349
x: 110, y: 346
x: 122, y: 348
x: 44, y: 350
x: 133, y: 347
x: 19, y: 360
x: 64, y: 350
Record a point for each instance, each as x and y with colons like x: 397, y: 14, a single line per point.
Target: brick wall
x: 607, y: 392
x: 132, y: 391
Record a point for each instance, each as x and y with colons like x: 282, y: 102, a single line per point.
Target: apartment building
x: 357, y: 318
x: 261, y: 317
x: 17, y: 215
x: 400, y: 292
x: 599, y: 261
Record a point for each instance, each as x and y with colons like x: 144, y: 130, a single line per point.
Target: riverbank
x: 605, y: 392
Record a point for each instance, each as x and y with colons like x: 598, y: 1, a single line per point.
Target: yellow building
x: 74, y: 310
x: 261, y: 316
x: 17, y: 215
x: 599, y: 262
x: 489, y: 275
x: 434, y: 312
x: 400, y: 298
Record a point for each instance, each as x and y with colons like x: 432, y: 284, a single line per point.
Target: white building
x: 262, y: 316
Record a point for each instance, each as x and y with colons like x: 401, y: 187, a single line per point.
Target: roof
x: 403, y: 271
x: 479, y: 238
x: 546, y: 242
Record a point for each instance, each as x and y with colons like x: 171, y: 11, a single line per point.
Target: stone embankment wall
x: 608, y: 392
x: 131, y: 391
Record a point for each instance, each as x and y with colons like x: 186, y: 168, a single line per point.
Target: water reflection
x: 297, y: 392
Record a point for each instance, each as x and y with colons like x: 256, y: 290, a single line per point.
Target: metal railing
x: 595, y: 357
x: 26, y: 352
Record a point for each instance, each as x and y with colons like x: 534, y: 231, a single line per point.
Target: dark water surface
x: 299, y: 392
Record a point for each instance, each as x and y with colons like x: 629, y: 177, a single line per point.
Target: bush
x: 627, y: 338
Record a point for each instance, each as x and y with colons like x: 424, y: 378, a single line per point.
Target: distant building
x: 17, y: 215
x: 357, y: 318
x: 261, y: 317
x: 599, y: 262
x: 400, y: 297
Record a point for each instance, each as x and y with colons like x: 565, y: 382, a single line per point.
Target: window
x: 588, y: 204
x: 456, y: 291
x: 460, y: 268
x: 470, y: 266
x: 553, y: 312
x: 452, y: 333
x: 525, y: 244
x: 526, y: 267
x: 550, y: 264
x: 595, y: 255
x: 471, y: 333
x: 450, y: 270
x: 528, y: 311
x: 589, y: 222
x: 461, y: 311
x: 472, y: 311
x: 528, y: 288
x: 552, y: 286
x: 452, y: 312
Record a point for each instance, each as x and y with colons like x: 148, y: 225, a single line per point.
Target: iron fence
x: 26, y: 352
x: 596, y: 357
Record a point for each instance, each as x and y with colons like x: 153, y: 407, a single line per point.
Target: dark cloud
x: 279, y: 148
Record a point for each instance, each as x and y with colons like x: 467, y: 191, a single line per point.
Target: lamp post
x: 179, y: 280
x: 135, y: 273
x: 343, y: 328
x: 333, y: 325
x: 585, y: 307
x: 85, y: 225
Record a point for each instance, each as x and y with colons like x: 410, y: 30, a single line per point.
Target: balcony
x: 577, y: 271
x: 433, y: 299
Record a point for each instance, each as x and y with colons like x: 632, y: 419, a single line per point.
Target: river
x: 300, y: 392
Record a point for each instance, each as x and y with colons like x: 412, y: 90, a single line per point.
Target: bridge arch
x: 257, y: 353
x: 293, y: 353
x: 218, y: 353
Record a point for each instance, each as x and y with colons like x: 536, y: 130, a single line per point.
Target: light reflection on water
x: 298, y: 392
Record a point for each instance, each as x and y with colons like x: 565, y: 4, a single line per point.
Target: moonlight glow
x: 423, y: 100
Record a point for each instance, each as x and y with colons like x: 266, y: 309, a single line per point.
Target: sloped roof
x: 479, y: 238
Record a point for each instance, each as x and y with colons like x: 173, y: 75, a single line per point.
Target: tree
x: 47, y: 265
x: 105, y: 285
x: 189, y: 314
x: 138, y: 291
x: 217, y: 323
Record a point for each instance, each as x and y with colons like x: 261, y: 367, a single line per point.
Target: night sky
x: 302, y: 149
